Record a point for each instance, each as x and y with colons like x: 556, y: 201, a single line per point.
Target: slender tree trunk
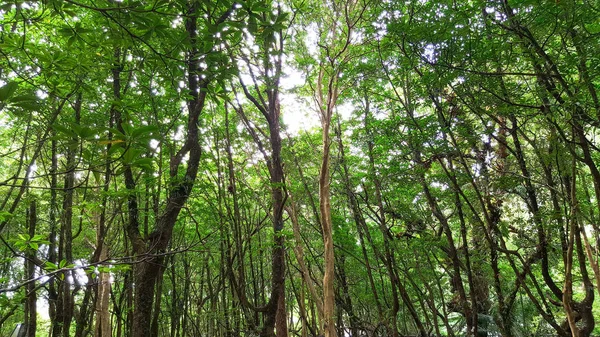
x: 274, y: 312
x: 397, y: 287
x: 327, y: 228
x: 52, y: 247
x: 359, y: 221
x: 593, y: 261
x: 347, y: 299
x: 303, y: 312
x: 154, y: 327
x: 278, y: 253
x: 30, y: 321
x: 81, y: 319
x: 103, y: 324
x: 186, y: 295
x: 175, y: 307
x: 299, y: 252
x: 64, y: 316
x: 147, y: 271
x: 567, y: 291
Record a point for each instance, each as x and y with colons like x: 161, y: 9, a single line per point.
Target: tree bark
x: 327, y: 229
x: 299, y: 250
x: 30, y: 321
x: 103, y: 324
x: 150, y: 250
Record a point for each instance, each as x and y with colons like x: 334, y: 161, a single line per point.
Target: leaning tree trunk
x: 149, y: 250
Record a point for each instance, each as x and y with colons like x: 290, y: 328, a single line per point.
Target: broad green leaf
x: 7, y: 90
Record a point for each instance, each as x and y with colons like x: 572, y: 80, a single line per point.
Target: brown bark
x: 302, y: 311
x: 61, y: 326
x: 346, y: 299
x: 299, y: 250
x: 555, y: 85
x: 277, y: 309
x: 274, y: 312
x: 103, y: 326
x: 534, y: 208
x: 30, y: 321
x: 567, y: 292
x: 327, y: 228
x: 97, y: 285
x: 149, y: 250
x: 52, y: 256
x: 593, y: 261
x: 327, y: 89
x: 84, y: 315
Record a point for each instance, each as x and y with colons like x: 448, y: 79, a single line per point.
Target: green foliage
x: 463, y: 154
x: 25, y: 243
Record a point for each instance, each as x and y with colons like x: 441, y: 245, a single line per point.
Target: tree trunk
x: 299, y: 253
x: 62, y: 324
x: 327, y: 228
x: 103, y: 326
x: 277, y: 307
x: 30, y: 321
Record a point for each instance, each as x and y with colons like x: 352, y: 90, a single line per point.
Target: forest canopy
x: 303, y: 168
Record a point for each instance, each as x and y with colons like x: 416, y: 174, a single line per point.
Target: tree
x: 449, y: 186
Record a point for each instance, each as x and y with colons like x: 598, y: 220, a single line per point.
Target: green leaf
x: 49, y: 266
x: 64, y: 130
x: 28, y: 105
x: 86, y: 132
x: 131, y: 155
x: 37, y: 237
x: 4, y: 215
x: 144, y: 163
x: 207, y: 46
x: 144, y: 131
x: 117, y: 147
x: 7, y: 90
x: 252, y: 25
